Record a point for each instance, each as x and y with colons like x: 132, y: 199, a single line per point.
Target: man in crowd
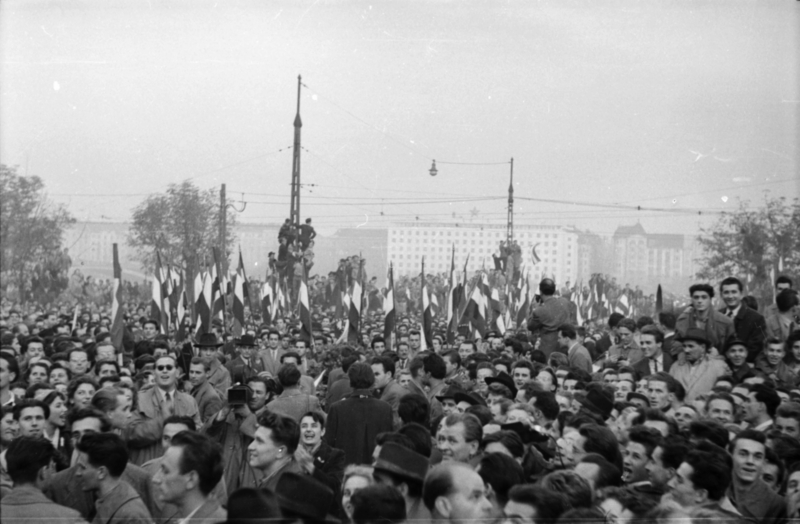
x: 102, y: 459
x: 189, y: 470
x: 547, y: 317
x: 577, y: 355
x: 749, y: 325
x: 700, y: 371
x: 701, y: 316
x: 207, y: 398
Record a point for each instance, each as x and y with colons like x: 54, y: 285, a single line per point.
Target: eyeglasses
x: 165, y: 368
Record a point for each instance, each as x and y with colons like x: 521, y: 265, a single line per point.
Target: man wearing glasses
x: 155, y: 405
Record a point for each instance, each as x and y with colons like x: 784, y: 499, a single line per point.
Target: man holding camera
x: 234, y: 428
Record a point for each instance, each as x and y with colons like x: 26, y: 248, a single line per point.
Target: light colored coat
x: 143, y: 434
x: 700, y: 378
x: 122, y: 506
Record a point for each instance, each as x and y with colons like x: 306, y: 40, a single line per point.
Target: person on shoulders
x: 717, y: 327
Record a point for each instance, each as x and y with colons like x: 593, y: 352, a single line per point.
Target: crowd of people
x: 689, y: 414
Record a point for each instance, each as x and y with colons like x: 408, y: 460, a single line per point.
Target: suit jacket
x: 143, y: 434
x: 700, y: 380
x: 751, y: 328
x: 775, y: 327
x: 293, y: 403
x: 642, y: 367
x: 546, y: 318
x: 242, y: 371
x: 208, y: 401
x: 718, y: 326
x: 122, y: 506
x: 354, y: 423
x: 329, y: 469
x: 64, y: 488
x: 209, y: 513
x: 28, y: 505
x: 578, y: 357
x: 271, y: 364
x: 271, y: 482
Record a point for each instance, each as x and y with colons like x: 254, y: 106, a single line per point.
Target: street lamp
x: 433, y: 171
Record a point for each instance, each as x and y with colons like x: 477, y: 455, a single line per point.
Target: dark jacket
x: 28, y: 505
x: 642, y: 367
x: 354, y: 423
x: 545, y: 320
x: 234, y: 435
x: 758, y: 503
x: 751, y: 328
x: 242, y: 371
x: 122, y: 506
x: 65, y: 488
x: 208, y: 401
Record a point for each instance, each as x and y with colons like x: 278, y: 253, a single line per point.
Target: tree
x: 752, y: 244
x: 31, y: 233
x: 182, y: 225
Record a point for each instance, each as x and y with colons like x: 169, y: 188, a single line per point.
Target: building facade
x: 557, y: 247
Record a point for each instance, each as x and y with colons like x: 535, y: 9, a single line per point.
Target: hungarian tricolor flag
x: 474, y: 313
x: 452, y: 300
x: 427, y: 317
x: 217, y: 292
x: 354, y: 313
x: 524, y: 304
x: 390, y: 319
x: 117, y: 323
x: 266, y: 301
x: 305, y: 311
x: 238, y: 298
x: 498, y: 322
x: 157, y: 303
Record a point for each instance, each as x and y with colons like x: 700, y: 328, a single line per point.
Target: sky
x: 680, y: 108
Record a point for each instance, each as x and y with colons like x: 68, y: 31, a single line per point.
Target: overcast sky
x: 682, y: 105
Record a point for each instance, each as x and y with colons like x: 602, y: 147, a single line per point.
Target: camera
x: 237, y: 395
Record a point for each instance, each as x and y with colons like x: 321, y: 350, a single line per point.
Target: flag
x: 238, y: 299
x: 535, y: 257
x: 117, y: 323
x: 75, y: 318
x: 427, y: 318
x: 354, y: 313
x: 475, y: 310
x: 390, y: 318
x: 203, y: 303
x: 463, y: 298
x: 157, y: 302
x: 167, y: 288
x: 343, y: 303
x: 266, y: 301
x: 434, y: 304
x: 524, y: 305
x: 623, y: 306
x: 486, y: 293
x: 498, y: 323
x: 305, y: 310
x: 181, y: 309
x: 217, y: 291
x: 452, y: 300
x: 659, y: 300
x: 280, y: 299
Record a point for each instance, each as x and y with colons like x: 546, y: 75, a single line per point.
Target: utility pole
x: 223, y: 212
x: 294, y: 213
x: 510, y: 227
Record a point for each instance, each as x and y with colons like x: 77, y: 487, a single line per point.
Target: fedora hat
x: 207, y: 340
x: 396, y: 459
x: 248, y: 341
x: 449, y: 392
x: 504, y: 379
x: 598, y: 401
x: 304, y: 496
x: 470, y: 398
x: 696, y: 334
